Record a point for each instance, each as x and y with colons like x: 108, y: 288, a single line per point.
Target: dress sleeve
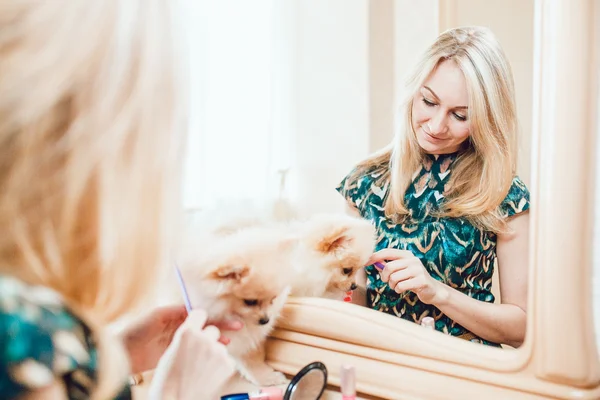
x: 27, y: 340
x: 355, y: 189
x: 42, y: 342
x: 517, y: 199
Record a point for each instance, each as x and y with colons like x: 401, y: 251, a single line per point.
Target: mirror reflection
x: 437, y: 160
x: 383, y: 161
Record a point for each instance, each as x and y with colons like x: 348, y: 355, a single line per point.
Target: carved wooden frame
x: 559, y: 359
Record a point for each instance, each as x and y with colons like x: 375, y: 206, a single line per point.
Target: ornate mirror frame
x: 559, y: 358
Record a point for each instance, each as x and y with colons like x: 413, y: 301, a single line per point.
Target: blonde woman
x: 90, y: 137
x: 446, y: 201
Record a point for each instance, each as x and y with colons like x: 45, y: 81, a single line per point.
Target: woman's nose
x: 437, y: 123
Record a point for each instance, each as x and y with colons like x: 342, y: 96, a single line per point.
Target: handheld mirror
x: 308, y: 384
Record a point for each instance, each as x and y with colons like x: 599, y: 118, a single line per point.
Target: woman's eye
x: 460, y: 117
x: 428, y: 103
x: 251, y: 302
x: 347, y: 271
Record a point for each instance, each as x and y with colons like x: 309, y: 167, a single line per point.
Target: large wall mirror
x: 328, y: 82
x: 559, y: 358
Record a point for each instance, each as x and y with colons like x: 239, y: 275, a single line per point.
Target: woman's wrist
x: 442, y: 294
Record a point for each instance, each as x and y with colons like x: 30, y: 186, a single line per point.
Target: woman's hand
x: 147, y: 340
x: 195, y: 365
x: 403, y: 271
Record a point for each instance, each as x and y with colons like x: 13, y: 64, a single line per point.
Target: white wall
x: 329, y: 97
x: 381, y: 73
x: 416, y: 28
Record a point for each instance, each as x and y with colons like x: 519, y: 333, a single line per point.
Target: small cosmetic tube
x: 348, y: 382
x: 428, y: 322
x: 273, y: 393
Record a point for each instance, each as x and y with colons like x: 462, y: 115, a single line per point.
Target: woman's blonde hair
x: 90, y: 124
x: 484, y: 169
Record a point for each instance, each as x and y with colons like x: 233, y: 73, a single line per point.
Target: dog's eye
x: 347, y: 271
x: 251, y: 302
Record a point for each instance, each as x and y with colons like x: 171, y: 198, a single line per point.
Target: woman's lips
x: 429, y: 137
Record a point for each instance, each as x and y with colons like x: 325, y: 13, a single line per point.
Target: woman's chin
x: 429, y: 147
x: 444, y: 147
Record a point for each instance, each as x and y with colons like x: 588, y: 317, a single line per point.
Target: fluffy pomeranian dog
x: 241, y: 276
x: 245, y: 269
x: 330, y: 249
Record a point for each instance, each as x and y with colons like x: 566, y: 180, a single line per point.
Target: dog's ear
x: 335, y: 242
x: 231, y: 271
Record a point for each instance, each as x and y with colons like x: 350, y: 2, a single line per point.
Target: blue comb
x: 186, y: 297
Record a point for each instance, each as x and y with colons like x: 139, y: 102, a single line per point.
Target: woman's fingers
x: 212, y: 333
x: 391, y: 268
x: 225, y: 340
x: 197, y: 318
x: 400, y: 276
x: 389, y: 254
x: 405, y: 285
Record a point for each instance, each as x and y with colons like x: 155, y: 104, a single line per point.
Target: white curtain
x: 238, y: 138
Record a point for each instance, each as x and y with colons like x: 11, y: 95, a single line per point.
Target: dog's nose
x: 263, y: 320
x: 353, y: 286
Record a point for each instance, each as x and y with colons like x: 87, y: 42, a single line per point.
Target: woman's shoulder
x: 41, y: 340
x: 362, y: 181
x: 516, y: 200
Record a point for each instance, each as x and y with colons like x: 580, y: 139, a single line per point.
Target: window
x: 236, y: 144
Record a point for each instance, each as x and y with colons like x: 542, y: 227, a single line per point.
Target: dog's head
x: 242, y: 278
x: 342, y: 244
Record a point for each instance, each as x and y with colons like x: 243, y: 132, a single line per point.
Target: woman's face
x: 439, y: 111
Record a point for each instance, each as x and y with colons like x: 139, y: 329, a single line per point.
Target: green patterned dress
x: 452, y: 250
x: 41, y: 342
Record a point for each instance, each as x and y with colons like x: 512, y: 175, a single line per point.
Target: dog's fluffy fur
x: 240, y: 277
x: 229, y: 267
x: 330, y: 250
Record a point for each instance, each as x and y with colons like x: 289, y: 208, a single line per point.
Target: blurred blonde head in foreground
x: 90, y: 123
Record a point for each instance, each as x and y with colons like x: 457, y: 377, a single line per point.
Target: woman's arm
x: 501, y: 323
x: 147, y: 339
